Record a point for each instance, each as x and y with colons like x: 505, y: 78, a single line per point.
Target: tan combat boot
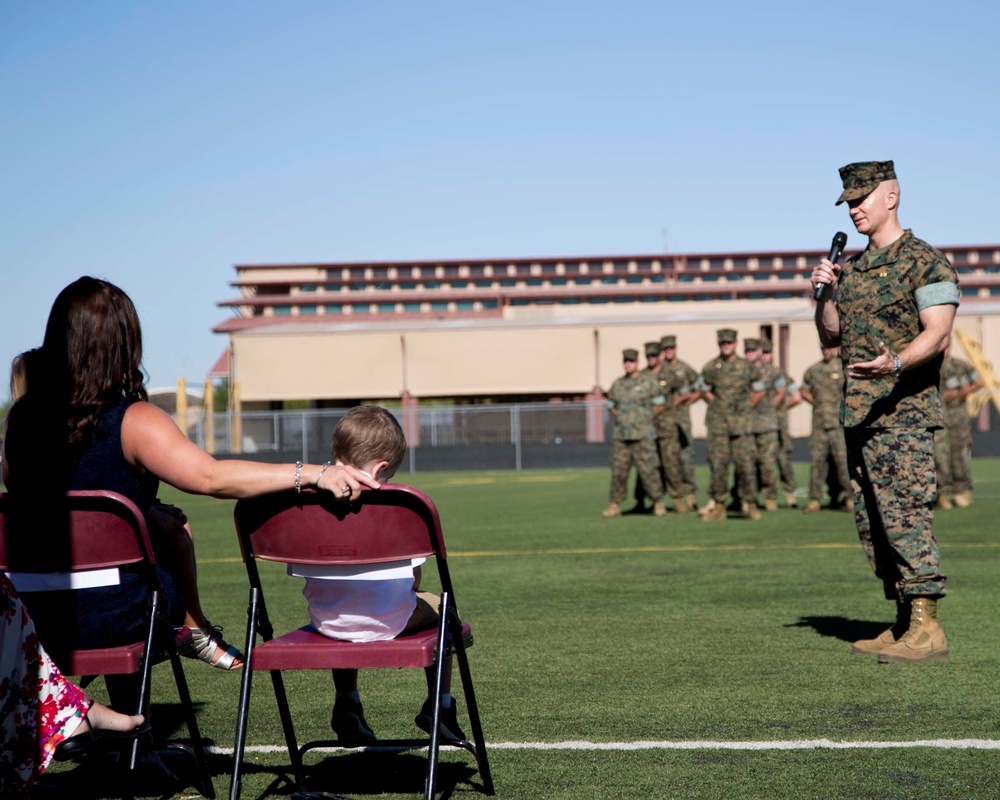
x: 943, y: 503
x: 692, y: 500
x: 680, y: 506
x: 811, y: 507
x: 614, y: 510
x: 659, y: 510
x: 963, y: 499
x: 715, y: 513
x: 770, y: 504
x: 872, y: 647
x: 751, y: 510
x: 791, y: 501
x: 707, y: 508
x: 849, y: 504
x: 923, y: 642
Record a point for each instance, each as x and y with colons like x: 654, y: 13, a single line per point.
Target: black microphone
x: 836, y: 248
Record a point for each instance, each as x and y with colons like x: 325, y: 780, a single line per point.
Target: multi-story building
x: 506, y: 330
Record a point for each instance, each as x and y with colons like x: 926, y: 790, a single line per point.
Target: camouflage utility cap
x: 630, y: 355
x: 751, y: 343
x: 861, y: 178
x: 726, y: 335
x: 652, y: 348
x: 668, y: 341
x: 765, y: 345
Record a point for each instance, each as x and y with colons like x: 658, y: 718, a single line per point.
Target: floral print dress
x: 38, y: 706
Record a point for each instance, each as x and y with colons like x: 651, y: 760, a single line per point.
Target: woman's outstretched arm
x: 151, y: 441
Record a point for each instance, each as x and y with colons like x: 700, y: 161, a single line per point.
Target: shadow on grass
x: 164, y: 774
x: 160, y: 772
x: 105, y: 775
x: 384, y: 772
x: 847, y: 630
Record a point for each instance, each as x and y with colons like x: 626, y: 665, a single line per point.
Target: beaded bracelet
x: 298, y: 476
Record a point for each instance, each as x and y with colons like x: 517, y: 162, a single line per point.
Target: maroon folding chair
x: 97, y: 531
x: 394, y: 523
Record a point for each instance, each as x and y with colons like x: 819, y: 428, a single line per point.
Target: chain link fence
x: 520, y: 436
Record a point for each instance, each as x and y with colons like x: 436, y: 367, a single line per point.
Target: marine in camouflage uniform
x: 892, y: 315
x: 786, y: 472
x: 764, y: 424
x: 652, y: 368
x: 670, y: 437
x: 823, y: 388
x: 674, y: 370
x: 953, y: 442
x: 731, y: 386
x: 634, y: 400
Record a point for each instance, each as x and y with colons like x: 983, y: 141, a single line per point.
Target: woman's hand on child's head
x: 345, y: 482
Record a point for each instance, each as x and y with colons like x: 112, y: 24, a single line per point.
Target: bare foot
x: 102, y: 718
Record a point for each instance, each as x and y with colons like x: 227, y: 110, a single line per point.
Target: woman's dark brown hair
x: 92, y: 353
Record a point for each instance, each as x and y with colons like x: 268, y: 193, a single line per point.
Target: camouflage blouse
x: 730, y: 382
x: 956, y: 374
x: 880, y: 298
x: 764, y: 415
x: 825, y: 381
x: 632, y: 400
x: 676, y: 378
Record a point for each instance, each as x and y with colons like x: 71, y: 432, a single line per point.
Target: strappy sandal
x: 205, y: 641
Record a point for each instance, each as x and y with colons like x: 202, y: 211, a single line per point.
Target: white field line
x: 799, y: 744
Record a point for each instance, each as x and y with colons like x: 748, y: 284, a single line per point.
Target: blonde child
x: 366, y: 604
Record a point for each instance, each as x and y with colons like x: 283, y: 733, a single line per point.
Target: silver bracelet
x: 896, y: 366
x: 298, y: 476
x: 326, y: 466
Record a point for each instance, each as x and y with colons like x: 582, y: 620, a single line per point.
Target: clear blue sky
x: 158, y: 144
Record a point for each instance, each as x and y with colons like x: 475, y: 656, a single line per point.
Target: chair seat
x: 304, y: 648
x: 122, y: 660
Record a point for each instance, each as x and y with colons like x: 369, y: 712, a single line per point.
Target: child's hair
x: 366, y: 434
x: 23, y: 365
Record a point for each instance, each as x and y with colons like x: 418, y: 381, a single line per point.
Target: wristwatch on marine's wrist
x: 896, y: 366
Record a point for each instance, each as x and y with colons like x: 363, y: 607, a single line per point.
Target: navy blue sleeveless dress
x: 103, y: 616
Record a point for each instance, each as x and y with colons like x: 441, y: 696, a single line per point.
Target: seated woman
x: 173, y: 544
x: 85, y: 423
x: 41, y: 713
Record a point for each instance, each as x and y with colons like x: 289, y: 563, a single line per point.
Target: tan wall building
x: 541, y: 329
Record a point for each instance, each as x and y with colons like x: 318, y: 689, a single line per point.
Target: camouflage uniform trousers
x: 765, y: 457
x: 687, y: 461
x: 641, y: 452
x: 786, y: 472
x: 723, y: 448
x: 960, y: 440
x: 943, y: 460
x: 823, y: 445
x: 892, y: 474
x: 671, y: 467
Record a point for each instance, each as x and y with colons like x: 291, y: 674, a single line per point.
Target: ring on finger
x: 345, y: 491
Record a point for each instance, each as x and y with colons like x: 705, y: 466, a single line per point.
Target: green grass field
x: 702, y: 640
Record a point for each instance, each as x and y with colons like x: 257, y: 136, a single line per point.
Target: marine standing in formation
x: 731, y: 386
x: 675, y: 371
x: 634, y: 401
x: 891, y: 309
x: 652, y: 368
x: 676, y: 389
x: 764, y: 424
x: 793, y: 397
x: 953, y: 442
x: 823, y: 389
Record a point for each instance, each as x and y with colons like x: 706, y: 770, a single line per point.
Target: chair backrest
x: 393, y: 523
x: 79, y: 531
